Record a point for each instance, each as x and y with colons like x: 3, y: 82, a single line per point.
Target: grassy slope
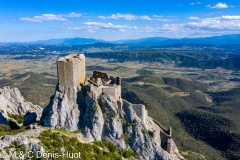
x: 33, y: 88
x: 230, y: 63
x: 53, y: 141
x: 153, y: 55
x: 163, y: 107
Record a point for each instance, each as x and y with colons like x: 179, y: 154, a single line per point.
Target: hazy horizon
x: 108, y: 40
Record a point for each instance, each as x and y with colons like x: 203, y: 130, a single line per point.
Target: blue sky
x: 30, y: 20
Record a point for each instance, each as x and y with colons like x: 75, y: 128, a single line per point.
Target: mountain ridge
x: 150, y: 41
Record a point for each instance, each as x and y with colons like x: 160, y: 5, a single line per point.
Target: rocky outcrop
x: 13, y: 103
x: 139, y: 138
x: 113, y: 129
x: 104, y: 118
x: 99, y: 117
x: 30, y: 143
x: 63, y: 110
x: 93, y: 119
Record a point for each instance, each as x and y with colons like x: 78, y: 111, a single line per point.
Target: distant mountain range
x: 69, y: 41
x: 153, y: 41
x: 150, y: 41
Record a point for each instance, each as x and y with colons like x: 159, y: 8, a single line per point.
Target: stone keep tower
x: 71, y: 70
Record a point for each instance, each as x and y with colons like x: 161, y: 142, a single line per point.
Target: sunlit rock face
x: 13, y: 103
x: 103, y: 117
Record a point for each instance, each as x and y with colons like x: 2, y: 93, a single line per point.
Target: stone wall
x: 112, y: 90
x: 166, y: 141
x: 71, y: 70
x: 96, y: 90
x: 103, y: 76
x: 140, y: 111
x: 165, y: 135
x: 118, y: 92
x: 156, y: 136
x: 60, y: 71
x: 82, y: 69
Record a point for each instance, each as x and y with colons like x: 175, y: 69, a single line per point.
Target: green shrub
x: 112, y: 147
x: 18, y: 118
x: 126, y: 154
x: 128, y: 124
x: 94, y: 109
x: 52, y: 141
x: 126, y: 137
x: 4, y: 128
x: 135, y: 121
x: 78, y: 131
x: 129, y: 153
x: 112, y: 114
x: 15, y: 143
x: 12, y: 132
x: 102, y: 144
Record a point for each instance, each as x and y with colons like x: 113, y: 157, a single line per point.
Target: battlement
x: 71, y: 73
x: 101, y: 82
x: 71, y: 70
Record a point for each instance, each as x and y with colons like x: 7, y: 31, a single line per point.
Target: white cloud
x: 193, y: 3
x: 219, y: 23
x: 162, y: 18
x: 194, y: 27
x: 219, y: 6
x: 133, y: 17
x: 109, y: 25
x: 120, y: 16
x: 145, y: 17
x: 75, y: 28
x: 52, y: 17
x: 200, y: 27
x: 193, y: 18
x: 102, y: 17
x: 90, y: 30
x: 45, y: 17
x: 157, y: 16
x: 231, y: 17
x: 73, y: 14
x: 166, y: 29
x: 127, y: 16
x: 93, y: 26
x: 31, y: 19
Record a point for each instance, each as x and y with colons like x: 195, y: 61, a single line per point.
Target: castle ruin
x: 71, y: 70
x: 103, y: 83
x: 72, y: 73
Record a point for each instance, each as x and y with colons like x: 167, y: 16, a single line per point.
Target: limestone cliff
x: 12, y: 104
x: 63, y: 110
x: 103, y: 117
x: 99, y: 117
